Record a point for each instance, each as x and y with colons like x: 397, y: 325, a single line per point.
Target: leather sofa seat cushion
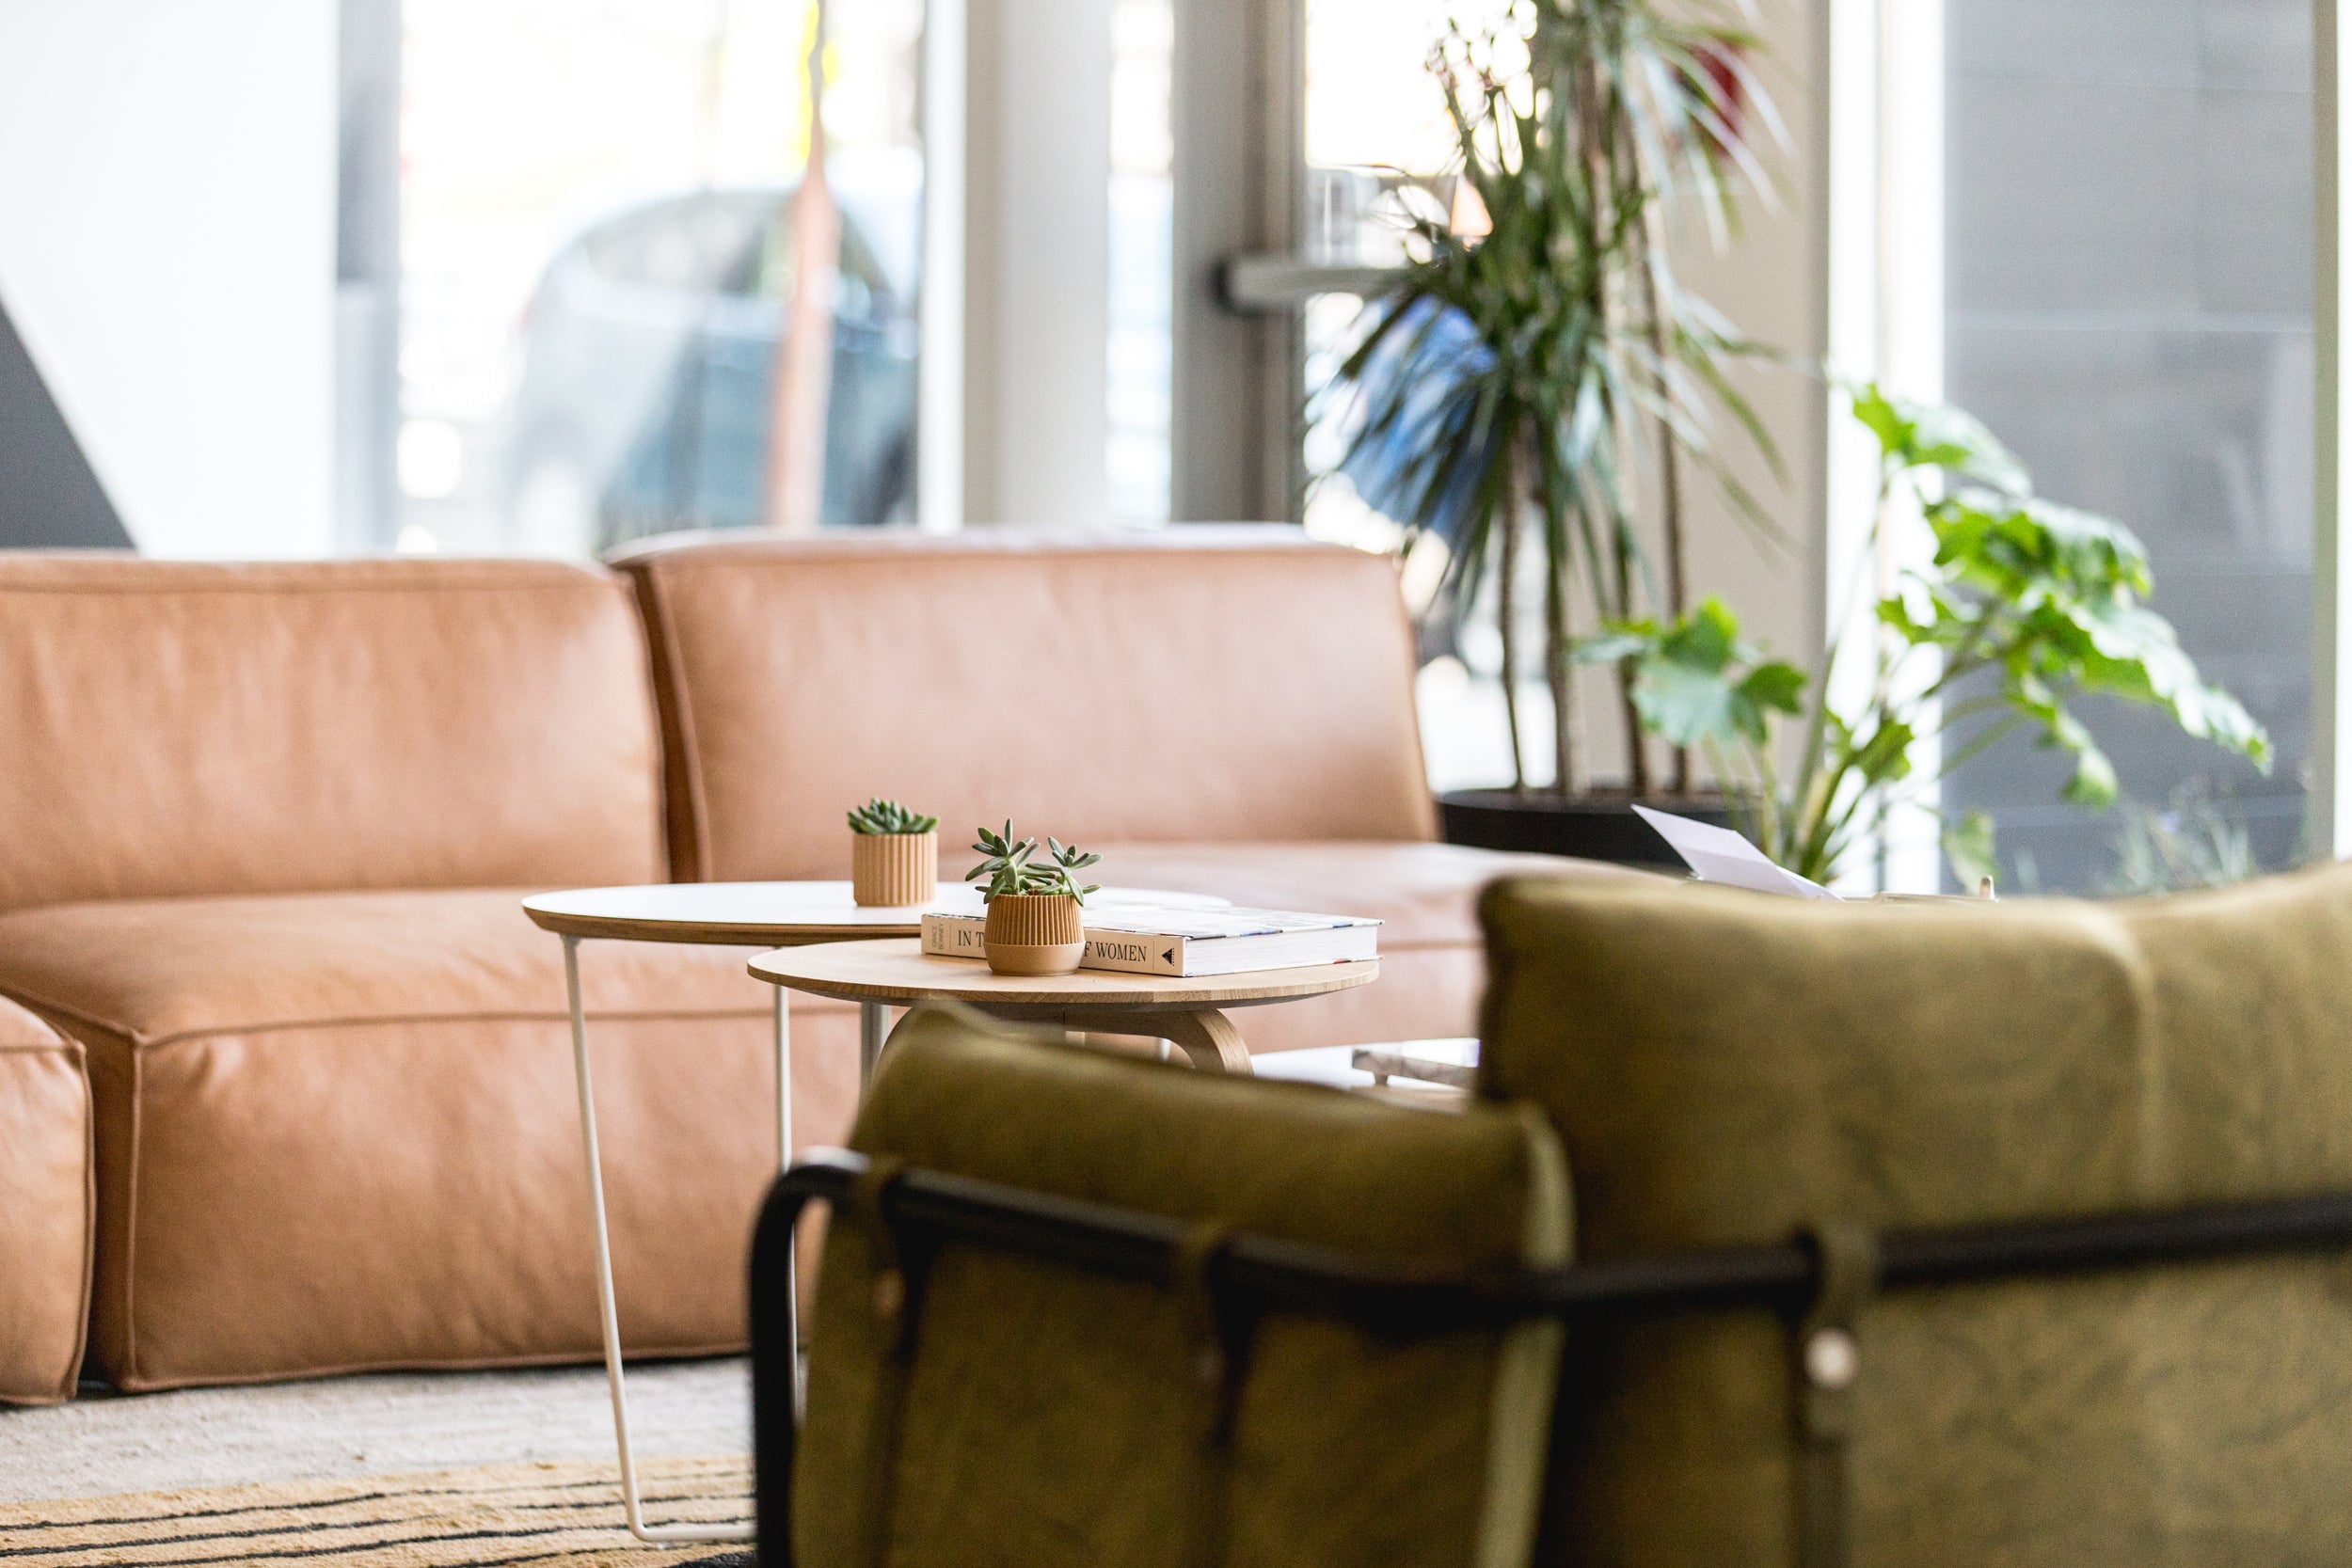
x: 1433, y: 964
x: 45, y: 1210
x: 184, y: 728
x: 1204, y: 685
x: 1725, y: 1067
x: 338, y: 1130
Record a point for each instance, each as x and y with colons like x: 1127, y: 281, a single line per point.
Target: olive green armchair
x: 975, y: 1399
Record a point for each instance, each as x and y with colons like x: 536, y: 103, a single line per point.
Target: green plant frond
x: 1735, y: 146
x: 1393, y: 311
x: 1733, y: 402
x: 1741, y: 47
x: 1747, y: 508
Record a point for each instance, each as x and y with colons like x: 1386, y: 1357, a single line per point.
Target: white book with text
x: 1189, y: 942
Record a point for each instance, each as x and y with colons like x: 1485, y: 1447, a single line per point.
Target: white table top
x: 774, y: 915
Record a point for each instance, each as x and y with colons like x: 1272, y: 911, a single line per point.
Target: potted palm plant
x: 1036, y: 919
x: 1536, y: 371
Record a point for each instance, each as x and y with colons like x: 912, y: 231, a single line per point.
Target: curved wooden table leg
x: 1207, y: 1037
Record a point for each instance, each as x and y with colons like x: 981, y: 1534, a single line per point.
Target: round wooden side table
x: 1188, y: 1013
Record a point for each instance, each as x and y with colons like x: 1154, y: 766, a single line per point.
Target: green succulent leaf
x: 879, y: 815
x: 1008, y: 870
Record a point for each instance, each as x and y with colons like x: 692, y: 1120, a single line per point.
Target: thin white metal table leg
x: 656, y: 1535
x: 784, y: 1162
x: 873, y: 1022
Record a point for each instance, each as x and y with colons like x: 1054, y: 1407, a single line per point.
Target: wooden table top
x: 773, y: 914
x: 900, y: 973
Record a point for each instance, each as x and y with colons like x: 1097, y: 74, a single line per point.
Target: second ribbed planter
x: 1034, y: 933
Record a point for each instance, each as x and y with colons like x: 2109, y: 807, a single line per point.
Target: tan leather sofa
x: 268, y: 827
x: 45, y: 1203
x: 1214, y: 709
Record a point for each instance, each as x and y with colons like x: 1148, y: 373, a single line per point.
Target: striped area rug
x: 553, y: 1515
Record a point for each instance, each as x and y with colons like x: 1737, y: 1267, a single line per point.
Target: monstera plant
x: 2025, y: 608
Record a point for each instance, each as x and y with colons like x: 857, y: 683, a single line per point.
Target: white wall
x: 1769, y: 281
x: 167, y: 250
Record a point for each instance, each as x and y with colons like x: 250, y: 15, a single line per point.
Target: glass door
x: 2129, y: 306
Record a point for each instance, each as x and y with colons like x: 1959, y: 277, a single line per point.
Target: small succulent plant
x: 1008, y: 871
x: 879, y: 815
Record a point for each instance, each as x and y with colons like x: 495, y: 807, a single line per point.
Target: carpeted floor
x: 350, y: 1427
x: 394, y: 1470
x: 565, y: 1516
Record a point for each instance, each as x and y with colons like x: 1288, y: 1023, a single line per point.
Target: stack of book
x: 1143, y: 938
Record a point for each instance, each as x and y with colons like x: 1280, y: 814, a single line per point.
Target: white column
x: 1910, y: 345
x: 939, y: 386
x: 2331, y: 803
x: 1236, y: 116
x: 1036, y: 262
x: 1884, y: 170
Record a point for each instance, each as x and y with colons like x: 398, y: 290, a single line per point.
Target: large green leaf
x: 1926, y: 435
x: 1699, y: 683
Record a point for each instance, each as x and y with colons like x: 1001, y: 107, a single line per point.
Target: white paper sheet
x: 1720, y: 855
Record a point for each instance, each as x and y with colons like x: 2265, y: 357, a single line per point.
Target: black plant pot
x: 1597, y: 825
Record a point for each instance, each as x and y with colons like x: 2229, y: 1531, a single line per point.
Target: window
x: 595, y: 212
x: 2129, y: 306
x: 1377, y: 146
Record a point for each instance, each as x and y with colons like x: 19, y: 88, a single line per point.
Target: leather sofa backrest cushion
x: 1726, y: 1068
x: 173, y: 727
x: 1051, y: 1417
x: 1208, y: 685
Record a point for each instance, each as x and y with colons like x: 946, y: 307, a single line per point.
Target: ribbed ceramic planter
x: 894, y: 870
x: 1034, y: 933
